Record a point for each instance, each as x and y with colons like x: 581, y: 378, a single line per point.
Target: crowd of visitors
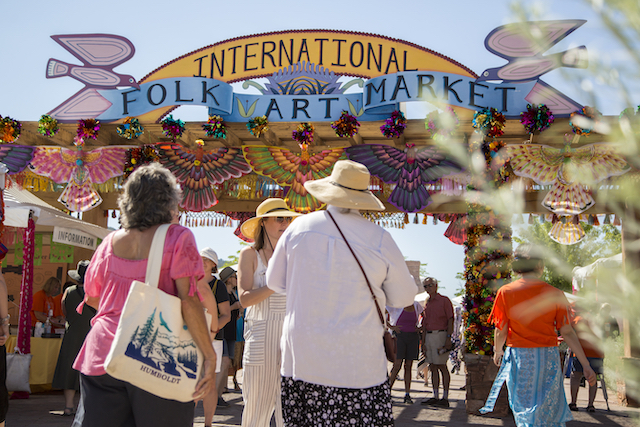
x: 302, y: 317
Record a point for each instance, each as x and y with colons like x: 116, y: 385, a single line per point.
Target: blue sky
x: 162, y: 31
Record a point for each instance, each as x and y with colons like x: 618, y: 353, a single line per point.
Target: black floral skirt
x: 312, y: 405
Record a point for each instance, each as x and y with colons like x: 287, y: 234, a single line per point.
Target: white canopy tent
x: 18, y: 203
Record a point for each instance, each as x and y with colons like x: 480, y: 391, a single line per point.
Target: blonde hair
x: 50, y: 284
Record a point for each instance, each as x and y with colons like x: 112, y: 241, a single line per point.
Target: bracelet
x: 5, y: 320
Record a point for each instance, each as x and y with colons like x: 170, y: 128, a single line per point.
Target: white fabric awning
x: 18, y: 203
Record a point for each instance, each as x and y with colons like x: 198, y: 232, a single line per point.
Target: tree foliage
x: 599, y: 242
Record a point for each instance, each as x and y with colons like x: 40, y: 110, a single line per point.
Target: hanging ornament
x: 215, y: 127
x: 48, y: 126
x: 258, y: 125
x: 303, y: 134
x: 139, y: 156
x: 616, y: 221
x: 415, y: 219
x: 591, y: 115
x: 424, y: 219
x: 607, y: 219
x: 346, y: 126
x: 87, y: 128
x: 9, y: 129
x: 172, y: 128
x: 489, y: 122
x: 441, y: 125
x: 130, y: 128
x: 394, y: 126
x: 536, y: 119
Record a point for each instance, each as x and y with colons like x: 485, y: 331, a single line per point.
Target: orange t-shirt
x: 533, y: 310
x: 44, y: 303
x: 588, y: 340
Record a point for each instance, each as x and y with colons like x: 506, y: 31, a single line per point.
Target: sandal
x: 591, y: 408
x: 573, y: 407
x: 68, y: 412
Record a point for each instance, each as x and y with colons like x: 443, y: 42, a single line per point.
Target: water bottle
x: 38, y: 330
x: 47, y: 323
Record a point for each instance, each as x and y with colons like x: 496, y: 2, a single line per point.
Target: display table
x: 44, y: 353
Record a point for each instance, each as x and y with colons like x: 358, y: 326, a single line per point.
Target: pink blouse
x: 109, y: 277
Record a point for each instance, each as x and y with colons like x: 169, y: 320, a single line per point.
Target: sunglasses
x: 282, y: 219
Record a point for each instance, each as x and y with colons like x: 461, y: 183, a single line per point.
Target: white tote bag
x: 153, y: 349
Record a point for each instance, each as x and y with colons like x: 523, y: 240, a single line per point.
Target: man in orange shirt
x: 437, y: 327
x: 591, y: 346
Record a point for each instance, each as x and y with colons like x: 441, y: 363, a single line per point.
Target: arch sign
x: 302, y: 69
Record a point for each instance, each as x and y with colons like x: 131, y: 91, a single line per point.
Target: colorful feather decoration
x: 409, y: 169
x: 568, y: 170
x: 292, y: 170
x: 80, y: 170
x: 198, y: 170
x: 16, y: 157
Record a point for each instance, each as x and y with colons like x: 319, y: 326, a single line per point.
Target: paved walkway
x: 40, y: 410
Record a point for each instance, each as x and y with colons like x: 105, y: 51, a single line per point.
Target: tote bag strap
x: 154, y: 262
x: 375, y: 300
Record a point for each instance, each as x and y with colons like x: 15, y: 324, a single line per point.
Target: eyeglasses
x: 282, y: 219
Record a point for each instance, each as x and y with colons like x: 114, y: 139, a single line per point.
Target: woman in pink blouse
x: 150, y: 198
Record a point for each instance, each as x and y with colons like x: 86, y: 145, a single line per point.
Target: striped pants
x: 261, y: 378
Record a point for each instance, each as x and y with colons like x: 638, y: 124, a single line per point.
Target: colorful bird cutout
x: 198, y: 170
x: 80, y: 169
x: 99, y: 54
x: 516, y: 44
x: 569, y: 170
x: 292, y: 170
x: 16, y: 157
x: 410, y: 169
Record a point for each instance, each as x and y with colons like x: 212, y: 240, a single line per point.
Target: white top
x: 332, y: 333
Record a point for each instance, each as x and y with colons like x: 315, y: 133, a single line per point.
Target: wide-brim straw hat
x: 270, y: 207
x: 346, y: 187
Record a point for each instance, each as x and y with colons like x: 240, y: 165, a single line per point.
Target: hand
x: 447, y: 343
x: 590, y: 375
x: 497, y: 357
x: 395, y: 329
x: 207, y: 382
x: 5, y: 334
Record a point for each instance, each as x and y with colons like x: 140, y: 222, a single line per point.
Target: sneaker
x: 444, y: 403
x: 407, y: 399
x: 222, y: 403
x: 431, y: 401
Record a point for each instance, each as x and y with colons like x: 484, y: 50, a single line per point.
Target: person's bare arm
x: 572, y: 341
x: 209, y: 302
x: 224, y: 311
x: 193, y: 315
x: 247, y: 264
x: 499, y: 340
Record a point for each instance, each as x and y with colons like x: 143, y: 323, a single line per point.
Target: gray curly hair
x: 150, y: 196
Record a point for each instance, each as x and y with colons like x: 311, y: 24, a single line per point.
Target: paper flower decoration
x: 591, y: 114
x: 304, y: 133
x: 346, y: 126
x: 568, y: 170
x: 130, y: 128
x: 258, y: 125
x: 410, y: 170
x: 215, y: 127
x: 441, y: 124
x: 87, y: 128
x: 292, y: 170
x: 172, y: 128
x: 48, y: 126
x: 536, y: 118
x: 198, y: 170
x: 394, y: 126
x: 80, y: 169
x: 138, y: 156
x: 489, y: 122
x: 9, y: 129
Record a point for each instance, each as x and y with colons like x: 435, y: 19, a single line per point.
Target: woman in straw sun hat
x: 264, y: 315
x: 333, y: 361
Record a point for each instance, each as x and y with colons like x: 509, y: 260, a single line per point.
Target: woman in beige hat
x: 334, y: 369
x: 264, y: 315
